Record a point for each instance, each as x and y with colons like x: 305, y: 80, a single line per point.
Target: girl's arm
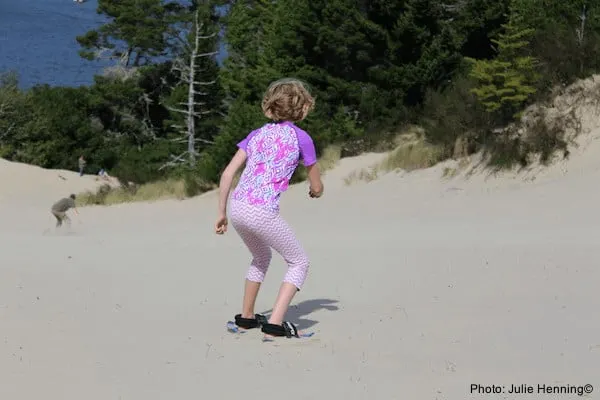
x: 227, y: 178
x: 308, y: 156
x: 314, y: 179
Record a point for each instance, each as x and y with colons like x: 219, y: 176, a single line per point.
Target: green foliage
x: 13, y: 113
x: 138, y: 30
x: 566, y: 39
x: 323, y: 43
x: 459, y: 68
x: 241, y: 119
x: 475, y: 23
x: 141, y: 164
x: 55, y: 136
x: 505, y: 83
x: 423, y: 49
x: 454, y: 118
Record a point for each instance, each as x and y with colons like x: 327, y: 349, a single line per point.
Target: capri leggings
x: 262, y: 229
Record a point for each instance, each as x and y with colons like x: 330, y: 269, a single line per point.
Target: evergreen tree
x: 270, y: 40
x: 476, y: 23
x: 14, y: 113
x: 422, y: 49
x: 566, y: 39
x: 505, y: 83
x: 136, y: 31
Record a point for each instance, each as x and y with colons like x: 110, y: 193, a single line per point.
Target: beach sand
x: 419, y: 287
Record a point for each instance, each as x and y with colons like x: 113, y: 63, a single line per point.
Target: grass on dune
x: 409, y: 155
x: 177, y: 188
x: 328, y: 160
x: 160, y: 190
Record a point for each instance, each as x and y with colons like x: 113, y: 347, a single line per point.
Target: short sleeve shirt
x: 274, y: 151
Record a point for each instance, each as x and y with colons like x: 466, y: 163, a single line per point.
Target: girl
x: 272, y: 154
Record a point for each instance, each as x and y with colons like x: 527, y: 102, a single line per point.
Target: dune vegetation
x: 468, y: 71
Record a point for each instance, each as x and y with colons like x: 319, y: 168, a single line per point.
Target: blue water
x: 37, y: 40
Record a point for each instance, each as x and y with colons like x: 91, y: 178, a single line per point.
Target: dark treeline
x: 459, y: 68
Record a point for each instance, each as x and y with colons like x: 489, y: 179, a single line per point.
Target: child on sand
x: 271, y: 154
x: 60, y: 208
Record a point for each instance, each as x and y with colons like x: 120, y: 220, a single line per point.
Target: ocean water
x: 37, y: 40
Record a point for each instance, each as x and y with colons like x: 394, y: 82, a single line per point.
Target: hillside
x: 34, y: 186
x: 417, y: 281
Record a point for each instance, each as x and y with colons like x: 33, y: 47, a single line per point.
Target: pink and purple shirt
x: 273, y: 154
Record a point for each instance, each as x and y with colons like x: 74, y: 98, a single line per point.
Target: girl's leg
x: 261, y: 256
x: 250, y: 293
x: 278, y: 234
x: 282, y: 303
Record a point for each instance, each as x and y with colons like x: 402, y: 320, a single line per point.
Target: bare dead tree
x: 581, y: 36
x: 191, y: 109
x: 581, y: 30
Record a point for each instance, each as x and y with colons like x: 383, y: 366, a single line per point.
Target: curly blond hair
x: 287, y: 100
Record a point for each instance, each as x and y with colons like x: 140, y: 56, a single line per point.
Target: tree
x: 197, y: 74
x: 566, y: 39
x: 475, y: 23
x: 321, y: 42
x: 58, y: 128
x: 421, y: 49
x: 505, y: 83
x: 136, y: 31
x: 13, y: 113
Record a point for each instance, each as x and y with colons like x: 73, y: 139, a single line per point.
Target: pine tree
x: 309, y: 40
x: 506, y: 83
x: 136, y: 31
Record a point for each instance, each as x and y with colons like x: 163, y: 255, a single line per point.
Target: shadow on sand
x: 296, y: 312
x: 66, y: 231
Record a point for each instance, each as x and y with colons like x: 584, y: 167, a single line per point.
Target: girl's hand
x: 221, y: 225
x: 315, y: 194
x: 314, y: 180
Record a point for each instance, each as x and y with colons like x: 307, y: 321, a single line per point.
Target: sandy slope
x: 419, y: 287
x: 29, y: 185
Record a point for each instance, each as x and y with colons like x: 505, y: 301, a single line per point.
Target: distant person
x: 102, y: 174
x: 82, y: 164
x: 271, y: 154
x: 60, y: 208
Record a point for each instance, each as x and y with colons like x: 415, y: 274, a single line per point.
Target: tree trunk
x: 191, y: 128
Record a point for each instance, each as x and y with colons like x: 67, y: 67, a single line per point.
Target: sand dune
x: 26, y: 184
x: 419, y: 287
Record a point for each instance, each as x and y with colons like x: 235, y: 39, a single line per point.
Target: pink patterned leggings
x: 261, y: 230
